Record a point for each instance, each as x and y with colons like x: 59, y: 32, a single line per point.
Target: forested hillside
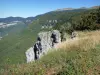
x: 87, y: 20
x: 68, y: 20
x: 54, y: 17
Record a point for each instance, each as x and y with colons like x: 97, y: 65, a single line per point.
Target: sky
x: 29, y: 8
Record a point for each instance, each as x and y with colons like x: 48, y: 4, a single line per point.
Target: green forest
x: 87, y: 20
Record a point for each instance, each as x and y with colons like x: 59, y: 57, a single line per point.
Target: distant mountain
x: 64, y: 9
x: 95, y: 7
x: 11, y: 19
x: 83, y: 8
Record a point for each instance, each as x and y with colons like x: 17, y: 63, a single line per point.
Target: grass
x: 79, y: 56
x: 14, y: 46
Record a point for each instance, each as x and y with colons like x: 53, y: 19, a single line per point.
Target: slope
x: 13, y: 46
x: 77, y: 57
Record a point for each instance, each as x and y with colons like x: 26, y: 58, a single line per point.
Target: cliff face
x: 30, y: 55
x: 45, y: 41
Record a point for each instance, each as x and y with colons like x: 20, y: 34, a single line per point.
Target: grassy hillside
x: 80, y: 56
x: 14, y: 46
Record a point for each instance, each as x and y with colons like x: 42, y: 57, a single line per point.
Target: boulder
x: 30, y: 55
x: 74, y: 34
x: 45, y: 41
x: 58, y: 35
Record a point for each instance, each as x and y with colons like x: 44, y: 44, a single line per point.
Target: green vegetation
x: 74, y: 58
x: 14, y: 46
x: 86, y: 20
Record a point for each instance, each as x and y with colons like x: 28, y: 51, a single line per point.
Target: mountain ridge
x: 69, y: 8
x: 10, y: 19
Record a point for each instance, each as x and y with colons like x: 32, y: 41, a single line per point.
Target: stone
x: 58, y: 35
x: 30, y: 55
x: 74, y: 34
x: 45, y: 41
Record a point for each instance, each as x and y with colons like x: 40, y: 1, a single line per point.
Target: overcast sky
x: 26, y: 8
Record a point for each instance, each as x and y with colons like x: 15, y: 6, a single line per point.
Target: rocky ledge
x: 45, y: 41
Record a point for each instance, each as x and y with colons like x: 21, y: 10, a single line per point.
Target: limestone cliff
x: 45, y: 41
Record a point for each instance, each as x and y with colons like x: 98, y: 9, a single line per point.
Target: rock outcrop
x: 30, y: 55
x: 74, y: 34
x: 45, y: 41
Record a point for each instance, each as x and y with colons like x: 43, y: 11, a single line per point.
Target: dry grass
x: 84, y: 41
